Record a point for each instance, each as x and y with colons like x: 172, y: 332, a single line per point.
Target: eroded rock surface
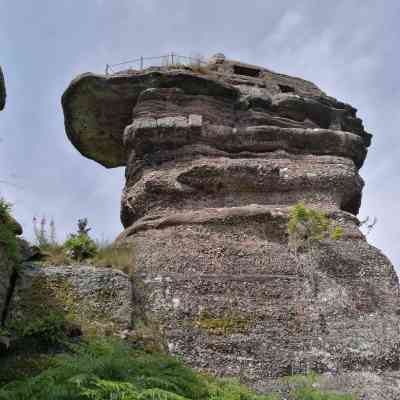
x: 215, y: 157
x: 97, y: 300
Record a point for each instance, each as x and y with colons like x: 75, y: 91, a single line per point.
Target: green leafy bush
x: 81, y: 246
x: 106, y: 369
x: 10, y: 242
x: 5, y: 210
x: 7, y: 232
x: 48, y: 329
x: 307, y: 226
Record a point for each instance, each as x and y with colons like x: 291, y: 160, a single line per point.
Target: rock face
x: 215, y: 157
x: 97, y: 300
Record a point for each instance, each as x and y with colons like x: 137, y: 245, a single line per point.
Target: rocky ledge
x: 215, y: 158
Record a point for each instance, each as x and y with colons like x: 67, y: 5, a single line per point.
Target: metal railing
x: 141, y: 63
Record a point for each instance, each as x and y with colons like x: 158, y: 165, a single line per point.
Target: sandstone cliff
x: 215, y: 157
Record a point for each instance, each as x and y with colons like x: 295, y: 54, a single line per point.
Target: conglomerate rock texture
x: 97, y: 300
x: 215, y: 157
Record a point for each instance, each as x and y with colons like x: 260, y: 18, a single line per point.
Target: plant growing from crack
x: 307, y: 228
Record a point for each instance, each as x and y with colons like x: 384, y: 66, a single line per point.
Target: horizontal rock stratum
x: 215, y: 158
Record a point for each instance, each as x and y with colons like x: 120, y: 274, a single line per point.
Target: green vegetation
x: 305, y: 387
x: 118, y: 257
x: 8, y: 238
x: 307, y: 226
x: 80, y: 246
x: 45, y: 238
x: 108, y: 369
x: 48, y: 329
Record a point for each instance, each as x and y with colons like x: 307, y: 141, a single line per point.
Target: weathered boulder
x: 214, y: 160
x: 97, y: 300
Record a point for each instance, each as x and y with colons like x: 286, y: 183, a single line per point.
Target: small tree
x: 80, y: 245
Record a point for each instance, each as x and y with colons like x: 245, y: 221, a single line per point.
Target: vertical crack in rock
x: 214, y: 161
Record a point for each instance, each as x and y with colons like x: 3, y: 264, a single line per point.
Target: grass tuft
x: 117, y: 257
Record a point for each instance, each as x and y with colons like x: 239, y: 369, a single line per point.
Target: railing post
x: 172, y: 58
x: 141, y: 63
x: 107, y: 67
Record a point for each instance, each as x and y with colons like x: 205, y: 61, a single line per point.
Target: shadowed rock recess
x: 215, y: 157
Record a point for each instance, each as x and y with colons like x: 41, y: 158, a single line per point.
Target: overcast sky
x: 349, y: 48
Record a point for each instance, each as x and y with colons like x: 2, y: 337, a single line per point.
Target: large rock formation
x: 215, y: 157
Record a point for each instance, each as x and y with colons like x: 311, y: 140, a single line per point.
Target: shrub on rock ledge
x: 81, y: 246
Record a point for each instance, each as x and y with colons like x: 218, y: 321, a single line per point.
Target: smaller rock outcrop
x: 97, y: 300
